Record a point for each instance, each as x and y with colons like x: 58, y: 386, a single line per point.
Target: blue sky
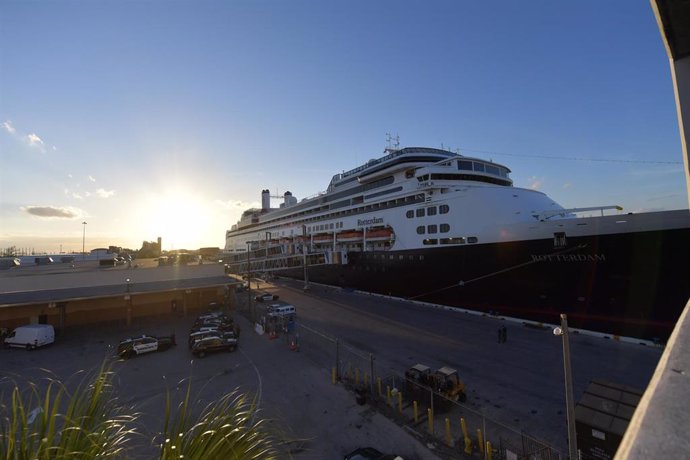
x: 168, y: 118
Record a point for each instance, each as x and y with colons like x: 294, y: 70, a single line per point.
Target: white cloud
x: 34, y: 140
x: 105, y: 193
x: 69, y: 193
x: 236, y: 204
x: 567, y: 185
x: 92, y: 179
x: 535, y: 183
x: 31, y: 139
x: 7, y: 125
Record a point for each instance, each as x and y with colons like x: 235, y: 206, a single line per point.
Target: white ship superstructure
x: 419, y: 204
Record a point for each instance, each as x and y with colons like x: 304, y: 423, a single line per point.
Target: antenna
x: 392, y: 145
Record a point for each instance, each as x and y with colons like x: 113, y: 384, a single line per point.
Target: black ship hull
x: 632, y: 284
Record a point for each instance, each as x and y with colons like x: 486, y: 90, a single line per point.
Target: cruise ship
x: 436, y: 226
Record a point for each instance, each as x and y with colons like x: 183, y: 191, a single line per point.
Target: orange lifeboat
x: 323, y: 238
x: 380, y: 234
x: 350, y: 236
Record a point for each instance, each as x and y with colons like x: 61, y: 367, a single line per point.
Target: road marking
x: 258, y: 376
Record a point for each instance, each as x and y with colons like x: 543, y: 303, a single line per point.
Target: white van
x: 281, y: 310
x: 31, y: 336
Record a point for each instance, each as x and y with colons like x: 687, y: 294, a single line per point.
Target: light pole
x: 570, y: 404
x: 83, y: 241
x: 304, y: 260
x: 249, y: 285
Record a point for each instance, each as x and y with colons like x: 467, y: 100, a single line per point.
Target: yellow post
x: 366, y: 378
x: 488, y: 450
x: 357, y: 376
x: 333, y: 376
x: 378, y: 384
x: 480, y: 440
x: 388, y: 394
x: 415, y: 409
x: 430, y: 416
x: 449, y: 439
x: 400, y: 401
x: 464, y: 427
x: 468, y: 446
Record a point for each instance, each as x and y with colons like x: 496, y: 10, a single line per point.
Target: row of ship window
x: 455, y: 240
x: 318, y: 228
x: 433, y: 228
x: 429, y: 211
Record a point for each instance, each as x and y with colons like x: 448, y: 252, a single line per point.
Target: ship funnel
x: 265, y: 200
x: 289, y: 199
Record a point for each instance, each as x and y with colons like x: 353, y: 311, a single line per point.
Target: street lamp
x: 249, y: 284
x: 304, y: 261
x: 127, y: 281
x: 570, y: 404
x: 83, y: 241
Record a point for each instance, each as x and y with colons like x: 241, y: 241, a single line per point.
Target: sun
x: 180, y: 218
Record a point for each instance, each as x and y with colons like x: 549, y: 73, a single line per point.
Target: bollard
x: 430, y: 416
x: 449, y: 439
x: 378, y: 384
x: 464, y: 427
x: 366, y: 379
x: 357, y: 376
x: 480, y: 440
x: 415, y: 409
x: 468, y: 446
x: 488, y: 450
x: 388, y: 394
x: 400, y: 401
x: 333, y: 375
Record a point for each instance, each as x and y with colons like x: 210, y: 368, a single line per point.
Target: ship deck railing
x: 271, y: 264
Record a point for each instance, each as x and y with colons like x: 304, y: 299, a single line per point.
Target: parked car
x: 265, y: 297
x: 196, y: 336
x: 213, y: 316
x: 211, y: 325
x: 369, y: 453
x: 31, y: 336
x: 228, y: 342
x: 135, y: 346
x: 242, y: 287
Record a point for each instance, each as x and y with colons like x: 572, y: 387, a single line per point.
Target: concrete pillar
x: 62, y: 316
x: 680, y: 70
x: 128, y: 303
x: 185, y: 299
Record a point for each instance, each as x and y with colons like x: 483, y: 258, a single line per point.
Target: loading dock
x: 88, y: 299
